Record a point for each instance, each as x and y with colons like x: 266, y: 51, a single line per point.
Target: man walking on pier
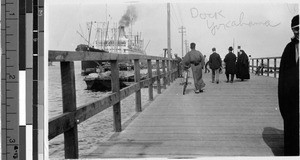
x: 195, y: 60
x: 230, y: 60
x: 288, y: 92
x: 215, y: 63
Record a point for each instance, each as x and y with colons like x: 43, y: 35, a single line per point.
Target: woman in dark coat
x: 242, y: 66
x: 229, y: 60
x: 288, y: 92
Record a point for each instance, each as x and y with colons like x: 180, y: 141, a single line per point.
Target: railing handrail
x: 65, y: 56
x: 67, y: 122
x: 267, y: 58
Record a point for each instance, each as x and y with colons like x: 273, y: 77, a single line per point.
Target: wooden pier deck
x: 238, y: 119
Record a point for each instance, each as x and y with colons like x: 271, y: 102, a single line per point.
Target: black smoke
x: 129, y: 17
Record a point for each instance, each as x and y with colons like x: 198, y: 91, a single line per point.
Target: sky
x: 261, y: 28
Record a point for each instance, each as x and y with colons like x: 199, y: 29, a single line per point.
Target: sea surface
x: 83, y: 96
x: 95, y: 130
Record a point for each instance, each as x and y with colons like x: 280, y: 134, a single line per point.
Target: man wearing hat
x: 230, y: 60
x: 288, y: 92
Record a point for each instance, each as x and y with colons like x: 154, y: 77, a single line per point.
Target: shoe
x: 217, y: 82
x: 197, y: 91
x: 201, y: 91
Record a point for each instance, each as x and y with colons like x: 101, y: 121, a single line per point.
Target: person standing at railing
x: 230, y: 60
x: 288, y: 92
x: 215, y: 63
x: 195, y: 60
x: 242, y: 66
x: 179, y: 68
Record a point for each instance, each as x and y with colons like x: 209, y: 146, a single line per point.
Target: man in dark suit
x: 215, y: 63
x: 288, y: 92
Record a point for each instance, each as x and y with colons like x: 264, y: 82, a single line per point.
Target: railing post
x: 257, y: 65
x: 169, y: 72
x: 178, y: 69
x: 252, y: 65
x: 150, y: 86
x: 137, y: 77
x: 275, y: 67
x: 262, y: 62
x: 268, y: 67
x: 164, y: 73
x: 158, y: 77
x: 115, y: 88
x: 69, y: 105
x: 172, y: 69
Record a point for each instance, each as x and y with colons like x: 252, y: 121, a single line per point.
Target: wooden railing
x: 67, y: 122
x: 266, y: 68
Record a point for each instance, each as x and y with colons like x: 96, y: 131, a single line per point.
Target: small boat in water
x: 96, y: 83
x: 102, y: 81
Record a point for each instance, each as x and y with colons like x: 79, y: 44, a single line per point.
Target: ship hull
x: 102, y: 84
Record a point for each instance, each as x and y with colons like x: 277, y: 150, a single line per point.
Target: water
x: 94, y: 130
x: 83, y: 96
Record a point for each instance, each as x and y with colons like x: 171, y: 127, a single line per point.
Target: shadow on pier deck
x: 238, y: 119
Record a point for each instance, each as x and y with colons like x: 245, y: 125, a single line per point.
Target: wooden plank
x: 60, y: 124
x: 115, y: 87
x: 69, y: 105
x: 137, y: 77
x: 244, y: 120
x: 267, y: 58
x: 150, y: 86
x: 56, y: 56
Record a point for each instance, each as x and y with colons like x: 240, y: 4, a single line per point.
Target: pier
x: 227, y: 119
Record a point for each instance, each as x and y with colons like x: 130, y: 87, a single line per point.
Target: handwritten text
x: 213, y: 25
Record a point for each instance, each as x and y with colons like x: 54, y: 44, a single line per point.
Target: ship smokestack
x: 121, y: 31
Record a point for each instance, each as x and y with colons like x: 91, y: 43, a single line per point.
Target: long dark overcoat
x: 230, y: 60
x: 242, y: 66
x: 288, y: 97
